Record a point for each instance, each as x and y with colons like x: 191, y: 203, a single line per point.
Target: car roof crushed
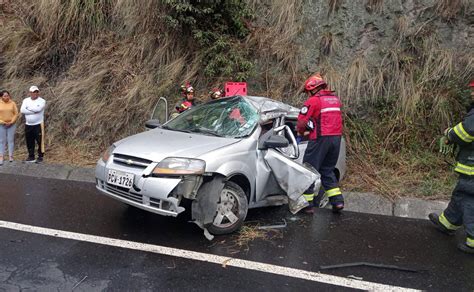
x: 269, y: 108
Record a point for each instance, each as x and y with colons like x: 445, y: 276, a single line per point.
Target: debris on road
x: 224, y: 263
x: 359, y: 264
x: 248, y: 234
x: 79, y: 283
x: 276, y: 226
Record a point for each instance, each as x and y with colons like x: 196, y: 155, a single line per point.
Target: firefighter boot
x: 310, y: 199
x: 309, y: 210
x: 434, y: 218
x: 466, y: 248
x: 337, y: 203
x: 337, y: 207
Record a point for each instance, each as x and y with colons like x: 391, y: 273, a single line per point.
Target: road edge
x: 360, y: 202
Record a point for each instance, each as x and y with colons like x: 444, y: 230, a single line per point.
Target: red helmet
x: 314, y: 82
x: 215, y: 93
x: 472, y: 83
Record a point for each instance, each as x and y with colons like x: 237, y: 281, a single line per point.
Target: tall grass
x: 334, y: 6
x: 274, y: 41
x: 118, y: 65
x: 374, y: 6
x: 449, y: 9
x: 102, y: 64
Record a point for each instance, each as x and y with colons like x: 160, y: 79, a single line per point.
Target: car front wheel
x: 231, y: 210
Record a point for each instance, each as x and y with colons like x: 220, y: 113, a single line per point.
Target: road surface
x: 63, y: 235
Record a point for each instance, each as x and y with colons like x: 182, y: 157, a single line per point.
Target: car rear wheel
x: 231, y: 209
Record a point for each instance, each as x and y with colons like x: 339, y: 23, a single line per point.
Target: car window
x: 229, y: 117
x: 160, y: 111
x: 292, y: 124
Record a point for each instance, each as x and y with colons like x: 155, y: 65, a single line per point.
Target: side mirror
x: 152, y: 124
x: 276, y: 141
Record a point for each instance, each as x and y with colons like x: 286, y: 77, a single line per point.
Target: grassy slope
x: 103, y: 63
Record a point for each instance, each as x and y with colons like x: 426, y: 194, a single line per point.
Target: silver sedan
x: 218, y: 159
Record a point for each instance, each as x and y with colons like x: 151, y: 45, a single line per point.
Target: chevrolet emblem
x: 129, y: 162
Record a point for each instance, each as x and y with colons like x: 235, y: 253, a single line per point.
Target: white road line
x: 204, y: 257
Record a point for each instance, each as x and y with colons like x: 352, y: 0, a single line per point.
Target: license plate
x: 120, y: 178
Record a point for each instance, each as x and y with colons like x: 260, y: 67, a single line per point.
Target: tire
x: 231, y: 210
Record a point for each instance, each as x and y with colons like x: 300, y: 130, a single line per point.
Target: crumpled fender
x: 204, y: 206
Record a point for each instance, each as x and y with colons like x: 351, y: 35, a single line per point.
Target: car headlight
x: 180, y: 166
x: 107, y: 153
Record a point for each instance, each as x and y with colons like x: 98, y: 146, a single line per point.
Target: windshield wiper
x: 205, y: 131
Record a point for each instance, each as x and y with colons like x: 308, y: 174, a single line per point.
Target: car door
x: 341, y: 161
x: 278, y: 169
x: 159, y: 115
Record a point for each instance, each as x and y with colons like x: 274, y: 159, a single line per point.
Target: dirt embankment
x: 399, y: 66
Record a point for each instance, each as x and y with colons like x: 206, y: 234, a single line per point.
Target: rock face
x: 341, y: 30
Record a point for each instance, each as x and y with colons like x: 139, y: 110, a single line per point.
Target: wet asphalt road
x: 38, y: 262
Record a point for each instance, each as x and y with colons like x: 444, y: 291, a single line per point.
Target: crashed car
x: 219, y: 159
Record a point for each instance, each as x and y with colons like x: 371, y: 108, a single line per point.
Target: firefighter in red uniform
x: 188, y: 101
x: 215, y: 93
x: 321, y: 117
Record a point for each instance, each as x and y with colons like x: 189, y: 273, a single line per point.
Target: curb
x: 404, y: 207
x: 46, y: 170
x: 369, y: 203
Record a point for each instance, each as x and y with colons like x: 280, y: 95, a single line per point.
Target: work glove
x: 445, y: 147
x: 299, y: 139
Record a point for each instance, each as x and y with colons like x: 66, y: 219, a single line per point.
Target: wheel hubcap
x: 227, y: 209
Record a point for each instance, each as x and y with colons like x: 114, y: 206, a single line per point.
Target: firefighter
x: 460, y: 209
x: 320, y: 118
x: 188, y: 101
x: 215, y: 93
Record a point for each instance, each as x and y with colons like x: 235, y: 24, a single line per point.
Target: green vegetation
x: 103, y: 63
x: 214, y: 27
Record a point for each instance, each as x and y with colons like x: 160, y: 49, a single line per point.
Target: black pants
x: 460, y: 210
x: 34, y: 134
x: 322, y: 154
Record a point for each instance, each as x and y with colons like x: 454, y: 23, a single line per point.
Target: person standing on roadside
x: 460, y: 210
x: 33, y: 109
x: 321, y: 118
x: 8, y: 117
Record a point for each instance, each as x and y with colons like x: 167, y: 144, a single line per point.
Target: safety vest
x: 330, y: 117
x: 321, y: 115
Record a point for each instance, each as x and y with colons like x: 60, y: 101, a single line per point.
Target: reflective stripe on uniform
x: 462, y: 134
x: 331, y: 109
x: 309, y: 197
x: 333, y: 192
x: 446, y: 223
x: 470, y: 242
x: 464, y: 169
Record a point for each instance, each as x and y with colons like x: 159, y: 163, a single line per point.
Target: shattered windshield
x: 229, y: 117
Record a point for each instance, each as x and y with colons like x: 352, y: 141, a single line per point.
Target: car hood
x: 158, y: 144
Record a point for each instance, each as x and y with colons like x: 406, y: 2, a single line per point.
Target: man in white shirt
x: 33, y: 109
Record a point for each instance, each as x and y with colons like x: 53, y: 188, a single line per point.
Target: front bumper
x: 149, y: 193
